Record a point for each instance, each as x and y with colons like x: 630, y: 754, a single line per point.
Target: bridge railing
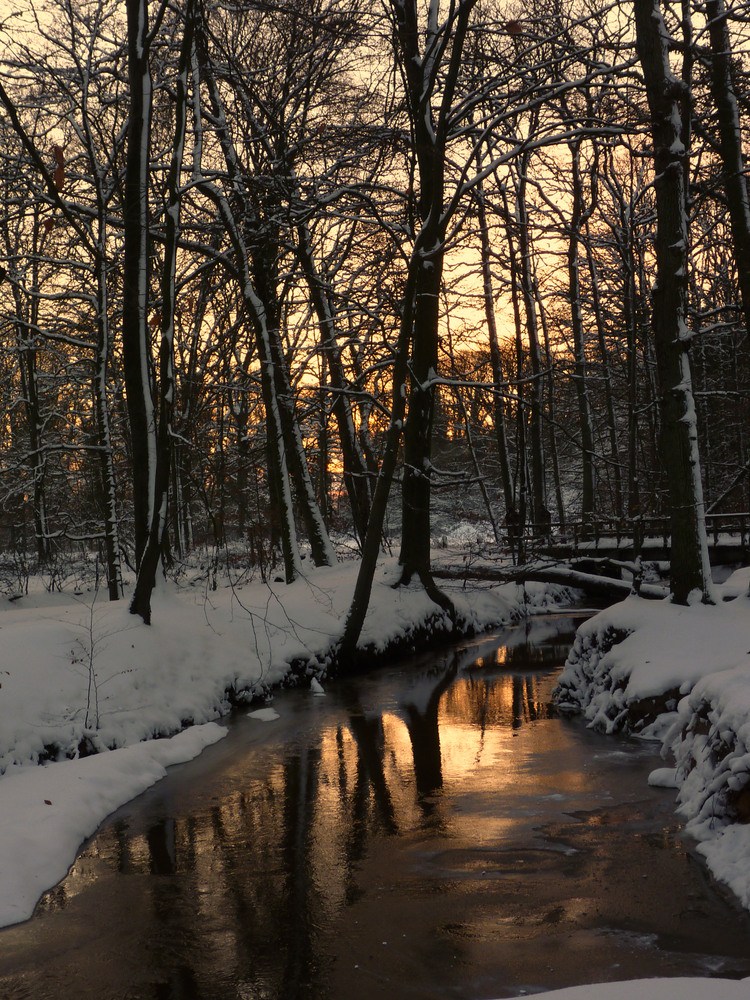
x: 729, y: 524
x: 588, y: 534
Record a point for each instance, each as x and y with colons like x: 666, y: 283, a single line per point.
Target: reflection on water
x: 434, y: 826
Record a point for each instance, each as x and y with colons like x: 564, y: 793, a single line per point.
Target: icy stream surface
x: 429, y: 830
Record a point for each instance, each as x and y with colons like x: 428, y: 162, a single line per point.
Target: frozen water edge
x: 657, y: 989
x: 48, y: 811
x: 681, y: 675
x: 69, y: 662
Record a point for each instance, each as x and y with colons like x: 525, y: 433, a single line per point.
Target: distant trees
x: 58, y: 263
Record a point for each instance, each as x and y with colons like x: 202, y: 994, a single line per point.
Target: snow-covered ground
x: 682, y: 675
x: 656, y: 989
x: 79, y: 675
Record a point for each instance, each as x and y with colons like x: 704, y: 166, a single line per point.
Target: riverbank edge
x: 163, y: 687
x: 86, y: 677
x: 648, y: 669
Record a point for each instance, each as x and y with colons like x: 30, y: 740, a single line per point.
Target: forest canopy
x: 305, y: 276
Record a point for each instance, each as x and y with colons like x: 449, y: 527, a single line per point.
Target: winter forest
x: 297, y: 278
x: 338, y: 334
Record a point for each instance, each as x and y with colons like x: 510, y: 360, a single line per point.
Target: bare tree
x: 162, y: 445
x: 730, y: 144
x: 690, y: 569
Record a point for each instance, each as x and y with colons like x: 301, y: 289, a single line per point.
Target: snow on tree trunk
x: 26, y: 324
x: 500, y: 385
x: 588, y: 501
x: 730, y: 145
x: 551, y: 411
x: 149, y: 563
x: 430, y: 126
x: 536, y: 388
x: 109, y: 486
x: 516, y: 512
x: 690, y: 569
x: 415, y: 525
x: 136, y: 352
x: 614, y: 447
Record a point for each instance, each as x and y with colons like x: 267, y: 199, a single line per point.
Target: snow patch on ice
x: 264, y: 714
x: 664, y: 777
x: 679, y: 988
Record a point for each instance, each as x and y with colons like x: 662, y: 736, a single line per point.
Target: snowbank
x: 679, y: 988
x: 47, y: 812
x: 631, y: 660
x: 79, y: 675
x: 681, y: 675
x: 711, y: 743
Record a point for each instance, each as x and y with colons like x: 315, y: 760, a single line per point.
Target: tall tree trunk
x: 690, y: 569
x: 27, y: 366
x: 323, y: 491
x: 635, y: 514
x: 515, y: 516
x: 551, y: 411
x: 148, y: 565
x: 470, y: 419
x: 536, y: 385
x: 136, y: 353
x: 500, y: 384
x: 580, y: 374
x: 730, y: 145
x: 104, y: 441
x: 415, y: 528
x: 430, y: 142
x: 28, y: 339
x: 614, y: 448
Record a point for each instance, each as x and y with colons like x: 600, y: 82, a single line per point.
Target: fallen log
x: 593, y: 585
x: 590, y: 583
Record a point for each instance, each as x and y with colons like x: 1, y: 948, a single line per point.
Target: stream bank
x: 432, y: 828
x: 680, y: 675
x: 106, y: 703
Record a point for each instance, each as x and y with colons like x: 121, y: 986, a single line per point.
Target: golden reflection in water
x: 400, y: 770
x: 361, y: 774
x: 335, y: 784
x: 281, y: 848
x: 282, y: 866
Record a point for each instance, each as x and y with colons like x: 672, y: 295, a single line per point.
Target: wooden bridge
x: 728, y: 539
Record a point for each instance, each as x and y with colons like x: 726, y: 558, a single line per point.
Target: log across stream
x: 431, y: 829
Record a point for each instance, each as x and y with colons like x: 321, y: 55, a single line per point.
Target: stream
x: 428, y: 830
